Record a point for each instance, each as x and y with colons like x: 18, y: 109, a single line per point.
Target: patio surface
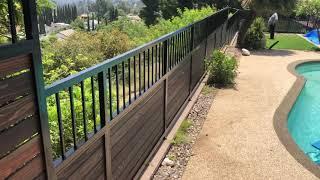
x: 238, y: 140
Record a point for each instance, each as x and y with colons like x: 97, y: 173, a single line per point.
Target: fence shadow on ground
x: 273, y: 53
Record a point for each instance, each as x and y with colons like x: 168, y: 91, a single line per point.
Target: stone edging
x: 280, y: 120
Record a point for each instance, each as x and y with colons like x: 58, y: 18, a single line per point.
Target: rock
x: 167, y: 162
x: 245, y: 52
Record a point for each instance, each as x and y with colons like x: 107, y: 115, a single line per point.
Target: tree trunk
x: 247, y: 18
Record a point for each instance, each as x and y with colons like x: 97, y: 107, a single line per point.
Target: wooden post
x: 32, y: 33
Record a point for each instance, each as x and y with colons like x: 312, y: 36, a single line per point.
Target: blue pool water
x: 304, y: 118
x: 313, y: 36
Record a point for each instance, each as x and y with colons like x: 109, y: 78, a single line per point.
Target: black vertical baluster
x: 180, y: 47
x: 135, y: 77
x: 140, y: 88
x: 173, y: 62
x: 160, y: 60
x: 148, y: 74
x: 129, y: 79
x: 61, y: 136
x: 11, y: 11
x: 123, y: 86
x: 110, y: 93
x: 156, y: 59
x: 73, y: 118
x: 117, y: 89
x: 177, y: 48
x: 94, y: 113
x: 181, y: 41
x: 84, y: 111
x: 170, y: 53
x: 185, y: 43
x: 152, y: 63
x: 164, y: 58
x: 144, y: 70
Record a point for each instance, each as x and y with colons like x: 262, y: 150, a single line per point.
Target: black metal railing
x: 81, y: 104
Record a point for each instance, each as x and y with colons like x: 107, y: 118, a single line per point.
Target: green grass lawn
x: 291, y: 41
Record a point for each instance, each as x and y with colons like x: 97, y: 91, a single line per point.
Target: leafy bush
x: 184, y: 18
x: 255, y: 38
x: 139, y: 33
x: 62, y: 58
x: 222, y: 69
x: 78, y: 24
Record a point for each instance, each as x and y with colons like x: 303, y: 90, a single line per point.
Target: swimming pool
x: 313, y: 37
x: 304, y: 117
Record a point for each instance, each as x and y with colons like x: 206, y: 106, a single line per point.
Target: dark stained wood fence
x: 24, y: 136
x: 152, y: 83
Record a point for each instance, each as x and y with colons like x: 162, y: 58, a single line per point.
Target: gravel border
x: 179, y: 154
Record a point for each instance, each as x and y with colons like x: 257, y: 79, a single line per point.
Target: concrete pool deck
x: 238, y: 139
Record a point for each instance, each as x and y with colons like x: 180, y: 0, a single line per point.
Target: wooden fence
x: 111, y: 118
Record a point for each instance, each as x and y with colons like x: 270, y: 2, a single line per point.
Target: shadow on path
x: 273, y: 53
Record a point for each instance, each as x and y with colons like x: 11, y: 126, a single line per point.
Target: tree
x: 151, y: 11
x: 4, y: 18
x: 310, y: 8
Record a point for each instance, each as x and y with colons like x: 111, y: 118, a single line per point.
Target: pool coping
x: 280, y: 119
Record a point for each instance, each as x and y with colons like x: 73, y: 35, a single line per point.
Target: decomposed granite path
x: 238, y: 140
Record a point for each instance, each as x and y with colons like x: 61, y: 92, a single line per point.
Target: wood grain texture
x: 17, y: 111
x: 147, y: 122
x: 85, y: 162
x: 138, y: 155
x: 143, y: 154
x: 14, y: 64
x: 116, y: 127
x: 31, y: 170
x: 16, y: 135
x: 14, y: 87
x: 178, y: 89
x: 197, y: 65
x: 136, y: 119
x: 19, y: 157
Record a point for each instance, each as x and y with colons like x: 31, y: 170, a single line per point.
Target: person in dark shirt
x: 272, y: 24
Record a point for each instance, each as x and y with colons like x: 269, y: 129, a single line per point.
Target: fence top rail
x: 103, y: 66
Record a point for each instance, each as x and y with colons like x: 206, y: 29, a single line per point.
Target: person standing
x: 272, y: 24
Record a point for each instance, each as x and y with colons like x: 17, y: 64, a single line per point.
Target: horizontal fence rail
x: 108, y: 120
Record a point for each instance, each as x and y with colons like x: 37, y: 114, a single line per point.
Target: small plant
x: 181, y: 136
x: 222, y: 69
x: 255, y: 38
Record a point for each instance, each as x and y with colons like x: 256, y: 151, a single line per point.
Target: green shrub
x: 255, y: 38
x: 222, y: 69
x: 78, y: 24
x: 181, y: 136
